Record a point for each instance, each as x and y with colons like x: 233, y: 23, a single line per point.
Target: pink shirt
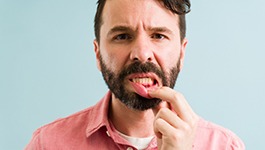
x: 90, y: 129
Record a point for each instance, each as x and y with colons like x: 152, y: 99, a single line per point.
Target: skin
x: 143, y: 30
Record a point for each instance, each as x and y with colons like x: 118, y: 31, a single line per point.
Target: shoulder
x: 77, y: 119
x: 68, y: 128
x: 72, y: 130
x: 217, y: 137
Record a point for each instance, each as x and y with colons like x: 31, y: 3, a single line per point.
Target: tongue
x: 141, y: 90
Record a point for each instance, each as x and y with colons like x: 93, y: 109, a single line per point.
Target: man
x: 140, y: 48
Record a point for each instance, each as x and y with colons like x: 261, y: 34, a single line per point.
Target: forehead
x: 148, y: 13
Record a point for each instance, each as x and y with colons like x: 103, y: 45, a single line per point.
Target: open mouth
x: 145, y: 81
x: 141, y: 83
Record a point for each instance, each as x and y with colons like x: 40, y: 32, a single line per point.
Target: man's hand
x: 175, y: 122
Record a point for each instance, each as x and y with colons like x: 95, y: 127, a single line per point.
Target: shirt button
x: 129, y: 148
x: 108, y: 133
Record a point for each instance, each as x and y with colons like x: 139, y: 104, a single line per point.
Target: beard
x: 116, y: 83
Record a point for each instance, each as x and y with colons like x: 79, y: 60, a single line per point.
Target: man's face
x: 139, y: 50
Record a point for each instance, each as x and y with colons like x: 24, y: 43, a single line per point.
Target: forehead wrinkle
x: 135, y: 22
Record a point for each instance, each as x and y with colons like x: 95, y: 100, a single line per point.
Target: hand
x: 175, y: 122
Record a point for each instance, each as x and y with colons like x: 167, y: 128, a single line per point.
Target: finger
x: 176, y: 100
x: 171, y: 118
x: 163, y: 128
x: 163, y: 104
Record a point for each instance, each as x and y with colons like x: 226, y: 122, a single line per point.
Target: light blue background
x: 48, y: 69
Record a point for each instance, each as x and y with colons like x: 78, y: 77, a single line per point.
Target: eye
x: 122, y: 37
x: 158, y: 36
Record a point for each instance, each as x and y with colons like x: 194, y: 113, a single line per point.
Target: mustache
x: 138, y: 67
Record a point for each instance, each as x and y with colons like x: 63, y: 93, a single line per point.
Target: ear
x: 97, y: 53
x: 182, y: 52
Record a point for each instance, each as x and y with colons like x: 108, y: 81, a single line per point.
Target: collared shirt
x: 90, y: 129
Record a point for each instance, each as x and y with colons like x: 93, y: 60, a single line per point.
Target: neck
x: 131, y: 122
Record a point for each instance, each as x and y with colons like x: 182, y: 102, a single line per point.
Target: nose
x: 141, y: 50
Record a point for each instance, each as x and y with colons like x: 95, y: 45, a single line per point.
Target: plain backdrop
x: 48, y: 69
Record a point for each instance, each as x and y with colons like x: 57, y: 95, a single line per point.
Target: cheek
x: 115, y: 61
x: 167, y: 58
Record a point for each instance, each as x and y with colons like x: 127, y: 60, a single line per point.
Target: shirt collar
x: 99, y: 115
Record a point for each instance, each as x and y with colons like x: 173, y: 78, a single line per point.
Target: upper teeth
x: 143, y: 80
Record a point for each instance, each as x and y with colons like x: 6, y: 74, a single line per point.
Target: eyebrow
x: 119, y: 29
x: 160, y: 29
x: 129, y: 29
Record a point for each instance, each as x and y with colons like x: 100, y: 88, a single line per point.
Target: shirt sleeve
x: 34, y: 143
x: 235, y: 144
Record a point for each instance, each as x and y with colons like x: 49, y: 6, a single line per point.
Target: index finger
x: 176, y: 100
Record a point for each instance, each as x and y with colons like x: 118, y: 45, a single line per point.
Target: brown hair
x: 180, y: 7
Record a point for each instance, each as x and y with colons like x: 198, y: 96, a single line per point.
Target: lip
x: 141, y: 89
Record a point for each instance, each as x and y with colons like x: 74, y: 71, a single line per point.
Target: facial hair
x: 116, y: 83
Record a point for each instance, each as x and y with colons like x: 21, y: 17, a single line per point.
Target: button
x: 129, y: 148
x: 108, y: 133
